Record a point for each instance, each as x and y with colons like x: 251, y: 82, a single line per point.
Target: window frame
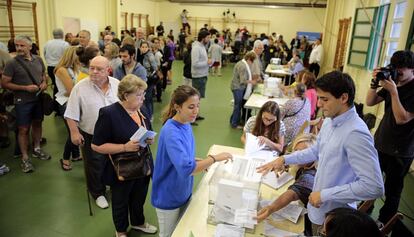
x: 410, y: 39
x: 375, y: 45
x: 353, y: 37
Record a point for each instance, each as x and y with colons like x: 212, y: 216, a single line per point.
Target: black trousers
x: 51, y: 74
x: 395, y: 169
x: 128, y: 197
x: 314, y: 67
x: 94, y: 167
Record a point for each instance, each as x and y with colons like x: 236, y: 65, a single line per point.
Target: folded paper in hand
x: 141, y: 135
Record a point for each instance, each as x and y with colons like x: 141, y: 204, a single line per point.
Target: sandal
x: 79, y: 158
x: 64, y: 166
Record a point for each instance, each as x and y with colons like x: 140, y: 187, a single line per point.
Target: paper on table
x: 275, y: 216
x: 141, y: 135
x: 224, y: 230
x: 270, y: 230
x: 291, y: 212
x: 275, y: 182
x: 252, y: 144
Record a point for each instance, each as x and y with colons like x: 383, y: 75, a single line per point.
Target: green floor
x: 51, y: 202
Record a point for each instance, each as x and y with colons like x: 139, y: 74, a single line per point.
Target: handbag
x: 132, y: 165
x: 46, y: 100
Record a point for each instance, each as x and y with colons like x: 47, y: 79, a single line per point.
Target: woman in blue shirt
x: 176, y: 164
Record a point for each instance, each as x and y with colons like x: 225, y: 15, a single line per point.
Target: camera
x: 386, y: 72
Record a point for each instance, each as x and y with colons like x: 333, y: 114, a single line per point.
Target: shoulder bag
x: 45, y: 99
x: 132, y: 165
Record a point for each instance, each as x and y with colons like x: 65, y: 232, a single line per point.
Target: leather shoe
x: 200, y: 118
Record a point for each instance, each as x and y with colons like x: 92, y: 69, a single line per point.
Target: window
x: 367, y: 38
x: 395, y: 31
x: 410, y: 40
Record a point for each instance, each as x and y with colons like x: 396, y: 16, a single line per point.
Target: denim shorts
x: 28, y: 112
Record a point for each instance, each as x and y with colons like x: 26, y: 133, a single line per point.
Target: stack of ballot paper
x: 141, y: 135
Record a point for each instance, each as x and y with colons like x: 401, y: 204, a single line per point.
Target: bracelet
x: 212, y: 157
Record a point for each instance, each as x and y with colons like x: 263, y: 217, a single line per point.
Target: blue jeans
x: 237, y: 108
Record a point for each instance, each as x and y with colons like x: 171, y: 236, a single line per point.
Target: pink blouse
x: 311, y: 95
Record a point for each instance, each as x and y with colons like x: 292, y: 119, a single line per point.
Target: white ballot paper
x: 245, y: 217
x: 252, y: 144
x: 141, y: 135
x: 270, y: 230
x: 271, y: 180
x: 224, y: 230
x: 246, y: 167
x: 291, y: 212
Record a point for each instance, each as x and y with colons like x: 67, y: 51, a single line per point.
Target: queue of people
x: 105, y: 99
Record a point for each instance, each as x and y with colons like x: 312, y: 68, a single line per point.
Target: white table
x: 256, y: 101
x: 278, y: 71
x: 195, y: 218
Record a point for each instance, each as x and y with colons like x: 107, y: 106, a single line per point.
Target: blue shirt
x: 172, y: 181
x: 348, y: 168
x: 138, y: 71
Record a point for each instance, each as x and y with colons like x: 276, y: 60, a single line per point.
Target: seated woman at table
x: 266, y: 125
x: 115, y: 126
x: 176, y: 164
x: 301, y: 188
x: 295, y: 112
x: 295, y: 64
x: 309, y: 79
x: 240, y: 87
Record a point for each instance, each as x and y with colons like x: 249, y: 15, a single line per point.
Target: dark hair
x: 403, y: 58
x: 86, y: 54
x: 337, y: 83
x: 179, y: 96
x: 272, y: 131
x: 309, y: 79
x: 144, y: 42
x: 348, y: 222
x: 300, y: 90
x: 202, y: 34
x: 128, y: 48
x: 215, y: 41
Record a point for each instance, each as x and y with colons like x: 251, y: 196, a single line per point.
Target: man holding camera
x: 394, y: 138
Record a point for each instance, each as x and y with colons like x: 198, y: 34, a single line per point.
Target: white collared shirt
x: 316, y: 54
x: 53, y: 51
x: 86, y: 99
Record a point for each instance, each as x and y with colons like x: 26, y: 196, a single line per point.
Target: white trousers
x: 168, y: 220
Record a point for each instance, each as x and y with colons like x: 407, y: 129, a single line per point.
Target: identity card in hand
x: 141, y: 135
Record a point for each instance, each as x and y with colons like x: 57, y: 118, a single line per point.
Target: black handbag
x: 132, y: 165
x: 46, y: 100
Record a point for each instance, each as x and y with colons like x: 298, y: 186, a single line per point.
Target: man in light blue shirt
x: 348, y: 168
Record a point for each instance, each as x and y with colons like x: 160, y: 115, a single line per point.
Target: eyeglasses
x: 98, y: 69
x: 269, y: 120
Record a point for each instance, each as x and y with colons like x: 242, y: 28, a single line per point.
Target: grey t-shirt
x: 20, y: 77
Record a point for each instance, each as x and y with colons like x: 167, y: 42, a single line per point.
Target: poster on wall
x: 311, y: 36
x: 71, y: 25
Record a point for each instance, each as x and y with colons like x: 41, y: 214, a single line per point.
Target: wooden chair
x: 288, y: 147
x: 387, y: 228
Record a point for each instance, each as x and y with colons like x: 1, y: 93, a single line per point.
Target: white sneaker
x: 101, y: 202
x: 150, y: 229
